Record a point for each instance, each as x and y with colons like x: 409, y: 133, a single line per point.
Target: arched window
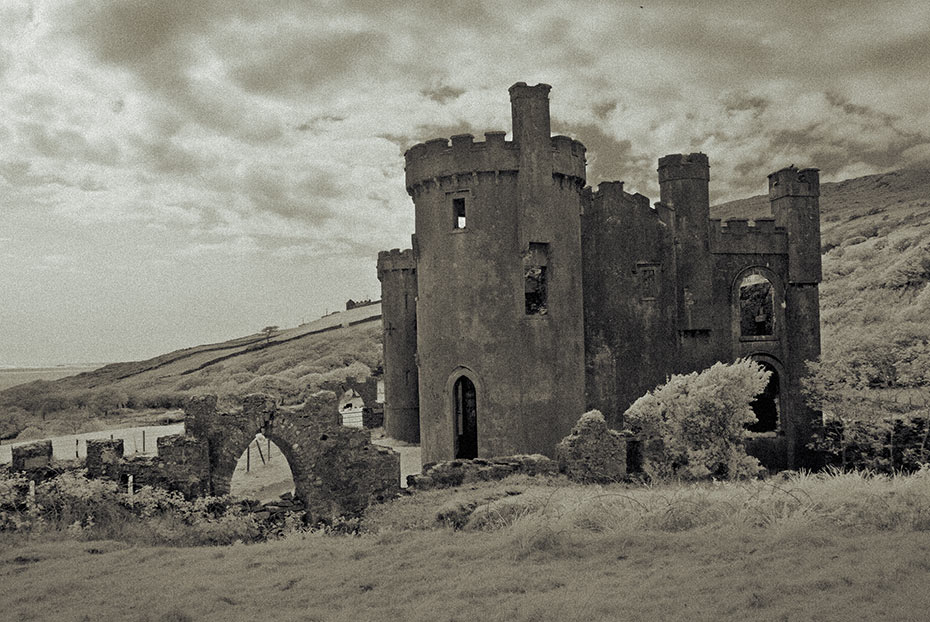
x: 465, y: 411
x: 756, y: 306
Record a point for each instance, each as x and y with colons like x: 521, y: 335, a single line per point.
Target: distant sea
x: 11, y: 376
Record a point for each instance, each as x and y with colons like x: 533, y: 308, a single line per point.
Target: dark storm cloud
x: 297, y: 59
x: 442, y: 94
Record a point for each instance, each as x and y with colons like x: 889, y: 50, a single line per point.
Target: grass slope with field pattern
x: 795, y: 547
x: 291, y: 365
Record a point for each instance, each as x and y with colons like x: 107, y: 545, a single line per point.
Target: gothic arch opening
x: 465, y: 417
x: 262, y: 472
x: 756, y: 306
x: 766, y: 405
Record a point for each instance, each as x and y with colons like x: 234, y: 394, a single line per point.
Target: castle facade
x: 528, y: 298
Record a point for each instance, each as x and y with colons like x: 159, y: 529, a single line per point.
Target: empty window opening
x: 648, y: 283
x: 535, y: 278
x: 262, y: 472
x: 765, y: 405
x: 458, y: 212
x: 756, y: 306
x: 464, y: 400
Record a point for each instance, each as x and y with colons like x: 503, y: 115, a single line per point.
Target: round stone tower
x: 398, y: 275
x: 500, y: 339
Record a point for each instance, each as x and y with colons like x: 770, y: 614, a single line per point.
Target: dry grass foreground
x: 839, y: 547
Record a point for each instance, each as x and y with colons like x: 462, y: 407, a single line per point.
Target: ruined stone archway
x: 336, y: 470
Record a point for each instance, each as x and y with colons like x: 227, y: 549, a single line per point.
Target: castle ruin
x: 528, y: 298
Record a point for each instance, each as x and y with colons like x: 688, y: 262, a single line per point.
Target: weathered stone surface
x: 104, y: 457
x: 336, y: 470
x: 32, y: 456
x: 458, y: 472
x: 592, y: 453
x: 619, y: 292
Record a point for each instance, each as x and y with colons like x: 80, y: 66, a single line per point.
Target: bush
x: 693, y: 426
x: 77, y: 507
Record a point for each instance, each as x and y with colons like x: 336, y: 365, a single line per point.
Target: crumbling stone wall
x: 459, y: 472
x: 592, y: 453
x: 32, y: 456
x: 104, y: 458
x: 337, y: 470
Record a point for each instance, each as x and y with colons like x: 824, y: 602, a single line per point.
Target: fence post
x: 268, y: 445
x: 143, y: 441
x: 248, y: 458
x: 129, y: 488
x: 76, y: 442
x: 32, y: 489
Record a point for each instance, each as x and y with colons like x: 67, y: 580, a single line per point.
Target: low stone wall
x: 31, y: 457
x: 459, y: 472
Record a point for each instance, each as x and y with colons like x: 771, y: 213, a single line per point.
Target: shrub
x: 693, y: 426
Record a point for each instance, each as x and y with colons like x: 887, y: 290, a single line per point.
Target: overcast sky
x: 177, y: 172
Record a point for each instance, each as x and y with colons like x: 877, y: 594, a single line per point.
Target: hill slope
x: 874, y: 299
x: 292, y: 364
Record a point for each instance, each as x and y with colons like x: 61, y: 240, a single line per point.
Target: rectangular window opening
x: 535, y: 277
x: 458, y: 213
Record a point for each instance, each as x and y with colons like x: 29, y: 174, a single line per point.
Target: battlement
x: 568, y: 157
x: 521, y: 90
x: 759, y: 236
x: 395, y: 259
x: 612, y: 193
x: 791, y: 182
x: 437, y: 158
x: 684, y: 166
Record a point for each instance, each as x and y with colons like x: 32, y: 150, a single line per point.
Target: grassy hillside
x: 291, y: 365
x: 875, y: 299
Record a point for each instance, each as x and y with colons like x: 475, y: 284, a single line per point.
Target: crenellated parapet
x: 684, y: 166
x: 740, y: 236
x: 792, y: 182
x: 568, y: 158
x: 436, y: 159
x: 614, y: 200
x: 395, y: 259
x: 794, y: 197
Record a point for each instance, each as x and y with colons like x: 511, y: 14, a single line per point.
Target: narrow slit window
x: 535, y: 278
x: 458, y: 213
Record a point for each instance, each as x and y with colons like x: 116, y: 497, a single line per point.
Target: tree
x: 693, y: 426
x: 269, y: 332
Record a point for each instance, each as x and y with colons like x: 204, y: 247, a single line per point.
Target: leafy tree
x: 269, y: 332
x: 693, y: 426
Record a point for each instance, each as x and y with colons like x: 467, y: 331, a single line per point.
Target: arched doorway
x: 766, y: 405
x: 465, y: 416
x: 262, y: 472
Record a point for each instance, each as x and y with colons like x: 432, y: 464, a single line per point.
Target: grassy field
x: 798, y: 548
